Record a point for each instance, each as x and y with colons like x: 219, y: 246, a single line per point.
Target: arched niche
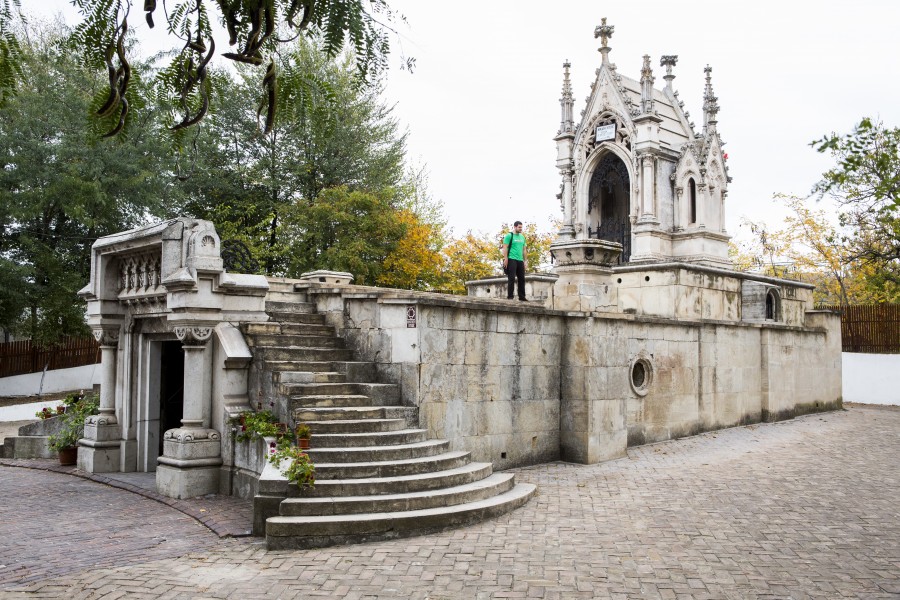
x: 609, y: 202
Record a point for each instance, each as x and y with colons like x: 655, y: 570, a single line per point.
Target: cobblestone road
x: 808, y: 508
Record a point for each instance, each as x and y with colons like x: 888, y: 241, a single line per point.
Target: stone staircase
x: 378, y: 476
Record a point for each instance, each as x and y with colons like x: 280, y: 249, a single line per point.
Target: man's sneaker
x: 523, y: 299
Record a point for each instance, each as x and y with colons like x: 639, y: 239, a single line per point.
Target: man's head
x: 517, y: 226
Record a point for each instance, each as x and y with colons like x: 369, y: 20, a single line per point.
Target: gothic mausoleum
x: 420, y: 403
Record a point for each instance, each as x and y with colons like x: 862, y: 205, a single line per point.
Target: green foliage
x: 72, y: 430
x: 11, y: 59
x: 60, y: 188
x: 257, y: 425
x: 257, y: 29
x: 302, y: 431
x: 866, y: 184
x: 295, y: 465
x: 343, y: 230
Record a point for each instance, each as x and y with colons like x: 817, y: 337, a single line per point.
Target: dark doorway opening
x: 171, y: 389
x: 609, y: 204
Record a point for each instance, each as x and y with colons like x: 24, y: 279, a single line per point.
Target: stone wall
x: 519, y: 384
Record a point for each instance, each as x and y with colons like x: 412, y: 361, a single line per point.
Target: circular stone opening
x: 647, y: 278
x: 641, y: 376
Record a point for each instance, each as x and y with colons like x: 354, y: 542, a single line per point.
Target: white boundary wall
x: 58, y: 380
x: 871, y: 378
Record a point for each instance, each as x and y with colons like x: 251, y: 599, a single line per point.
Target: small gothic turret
x: 647, y: 80
x: 710, y: 104
x: 566, y: 102
x: 668, y: 61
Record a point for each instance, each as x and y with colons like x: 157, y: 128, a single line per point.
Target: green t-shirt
x: 516, y: 242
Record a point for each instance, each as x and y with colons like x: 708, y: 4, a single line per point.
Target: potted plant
x: 65, y: 441
x: 303, y: 435
x: 295, y: 465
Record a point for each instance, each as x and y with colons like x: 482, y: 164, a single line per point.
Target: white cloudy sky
x: 482, y: 106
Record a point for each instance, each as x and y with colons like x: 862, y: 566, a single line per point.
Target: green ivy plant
x: 257, y: 424
x: 79, y: 409
x: 299, y: 468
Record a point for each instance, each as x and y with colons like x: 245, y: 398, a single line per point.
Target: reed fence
x: 869, y: 328
x: 22, y: 357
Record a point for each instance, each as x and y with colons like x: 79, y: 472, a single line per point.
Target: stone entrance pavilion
x: 642, y: 333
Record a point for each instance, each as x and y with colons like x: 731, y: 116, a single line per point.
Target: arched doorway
x: 609, y: 204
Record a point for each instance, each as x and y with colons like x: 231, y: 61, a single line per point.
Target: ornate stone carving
x: 139, y: 277
x: 193, y: 335
x: 102, y: 419
x: 190, y: 434
x: 107, y: 336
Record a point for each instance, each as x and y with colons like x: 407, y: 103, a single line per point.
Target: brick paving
x: 806, y: 508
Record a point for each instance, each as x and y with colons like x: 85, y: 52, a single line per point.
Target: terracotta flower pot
x: 68, y: 456
x: 303, y: 443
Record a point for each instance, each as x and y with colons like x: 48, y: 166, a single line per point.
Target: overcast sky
x: 482, y: 106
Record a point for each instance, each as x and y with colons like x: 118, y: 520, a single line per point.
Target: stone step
x: 277, y: 340
x: 465, y: 473
x: 493, y: 485
x: 290, y: 307
x: 283, y: 377
x: 330, y: 400
x: 270, y: 353
x: 356, y: 426
x: 292, y: 532
x: 282, y: 316
x: 358, y: 439
x: 285, y: 296
x: 354, y: 371
x: 342, y: 455
x: 349, y: 413
x: 274, y: 327
x: 384, y: 467
x: 380, y: 393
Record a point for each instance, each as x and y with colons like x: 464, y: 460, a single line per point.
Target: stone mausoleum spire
x: 668, y: 61
x: 647, y: 80
x: 604, y: 32
x: 710, y: 104
x: 566, y: 102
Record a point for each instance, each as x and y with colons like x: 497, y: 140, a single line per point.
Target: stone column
x: 191, y: 457
x: 100, y: 449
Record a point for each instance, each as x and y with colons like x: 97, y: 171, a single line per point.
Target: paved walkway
x: 808, y: 508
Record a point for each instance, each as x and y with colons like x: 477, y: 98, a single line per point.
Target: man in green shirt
x: 514, y: 260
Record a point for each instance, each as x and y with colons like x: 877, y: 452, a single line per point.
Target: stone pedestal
x: 190, y: 463
x: 584, y: 268
x: 100, y: 449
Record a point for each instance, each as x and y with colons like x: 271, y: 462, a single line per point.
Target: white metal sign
x: 606, y: 132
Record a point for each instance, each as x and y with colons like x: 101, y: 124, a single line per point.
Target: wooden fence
x: 869, y: 328
x: 18, y: 358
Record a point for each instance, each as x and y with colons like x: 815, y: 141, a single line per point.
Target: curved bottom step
x: 285, y: 533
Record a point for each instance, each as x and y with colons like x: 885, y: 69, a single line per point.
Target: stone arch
x: 606, y: 196
x: 583, y: 185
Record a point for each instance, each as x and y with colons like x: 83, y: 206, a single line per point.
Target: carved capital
x: 193, y: 335
x: 107, y: 336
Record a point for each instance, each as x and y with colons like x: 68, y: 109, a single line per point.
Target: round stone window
x: 641, y: 376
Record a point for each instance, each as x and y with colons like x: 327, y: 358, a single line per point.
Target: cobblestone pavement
x: 806, y: 508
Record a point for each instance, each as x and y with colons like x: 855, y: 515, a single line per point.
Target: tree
x: 473, y: 256
x: 246, y: 181
x: 60, y: 189
x: 255, y: 28
x: 866, y: 184
x: 343, y: 230
x: 812, y: 247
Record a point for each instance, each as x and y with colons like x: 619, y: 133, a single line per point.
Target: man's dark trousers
x: 515, y: 270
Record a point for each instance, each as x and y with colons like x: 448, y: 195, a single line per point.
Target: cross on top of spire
x: 604, y: 32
